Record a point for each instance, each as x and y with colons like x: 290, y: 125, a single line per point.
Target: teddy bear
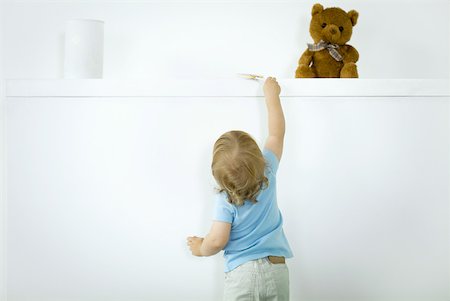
x: 329, y: 56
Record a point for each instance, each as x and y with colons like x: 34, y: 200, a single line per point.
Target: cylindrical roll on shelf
x: 83, y: 56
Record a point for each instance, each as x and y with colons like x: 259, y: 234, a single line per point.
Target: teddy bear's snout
x: 332, y: 33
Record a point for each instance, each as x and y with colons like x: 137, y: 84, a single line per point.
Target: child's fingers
x: 271, y: 79
x: 189, y: 240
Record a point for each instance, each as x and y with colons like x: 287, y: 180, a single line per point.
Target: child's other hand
x: 194, y: 244
x: 271, y: 87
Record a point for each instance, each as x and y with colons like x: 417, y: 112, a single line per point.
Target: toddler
x: 247, y: 222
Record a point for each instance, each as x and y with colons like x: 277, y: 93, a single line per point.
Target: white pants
x: 257, y: 280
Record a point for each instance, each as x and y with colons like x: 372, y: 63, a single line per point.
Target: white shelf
x: 227, y: 88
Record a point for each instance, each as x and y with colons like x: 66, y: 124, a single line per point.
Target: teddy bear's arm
x: 351, y: 55
x: 306, y: 58
x: 303, y: 69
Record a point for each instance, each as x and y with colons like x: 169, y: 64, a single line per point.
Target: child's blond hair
x: 238, y: 167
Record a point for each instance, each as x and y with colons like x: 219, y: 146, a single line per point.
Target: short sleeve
x: 223, y: 211
x: 272, y: 160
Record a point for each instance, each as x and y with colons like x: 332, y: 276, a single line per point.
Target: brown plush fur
x: 326, y: 25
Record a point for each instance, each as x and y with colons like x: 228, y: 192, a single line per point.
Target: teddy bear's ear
x: 317, y: 9
x: 353, y: 15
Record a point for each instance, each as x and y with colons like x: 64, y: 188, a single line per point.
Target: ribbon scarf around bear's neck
x: 330, y: 47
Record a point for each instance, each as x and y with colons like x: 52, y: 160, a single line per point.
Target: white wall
x: 2, y: 168
x: 102, y: 192
x: 210, y: 39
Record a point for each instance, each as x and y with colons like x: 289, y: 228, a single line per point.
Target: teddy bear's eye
x: 341, y: 29
x: 324, y: 25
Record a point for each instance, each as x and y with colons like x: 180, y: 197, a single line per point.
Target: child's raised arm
x: 275, y: 114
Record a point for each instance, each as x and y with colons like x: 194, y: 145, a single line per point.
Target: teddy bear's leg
x: 304, y: 71
x: 349, y: 70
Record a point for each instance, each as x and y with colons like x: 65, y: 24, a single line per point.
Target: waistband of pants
x: 276, y: 259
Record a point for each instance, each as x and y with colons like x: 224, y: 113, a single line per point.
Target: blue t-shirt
x: 256, y: 228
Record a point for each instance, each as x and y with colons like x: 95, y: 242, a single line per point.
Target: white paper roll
x: 83, y: 56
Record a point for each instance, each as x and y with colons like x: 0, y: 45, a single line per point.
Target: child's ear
x: 353, y: 15
x: 317, y: 9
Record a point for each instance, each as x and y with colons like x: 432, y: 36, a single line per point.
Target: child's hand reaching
x: 271, y: 87
x: 275, y: 114
x: 194, y: 244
